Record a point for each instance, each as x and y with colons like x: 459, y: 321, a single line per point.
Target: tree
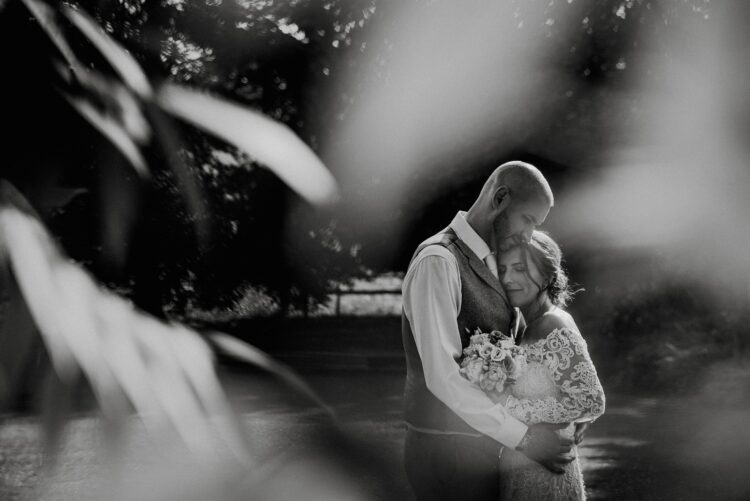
x: 252, y: 54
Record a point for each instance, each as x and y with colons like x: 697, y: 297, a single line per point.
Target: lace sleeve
x: 579, y: 395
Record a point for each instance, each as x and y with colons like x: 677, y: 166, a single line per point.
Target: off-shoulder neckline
x: 553, y: 331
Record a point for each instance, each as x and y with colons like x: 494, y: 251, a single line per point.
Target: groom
x: 454, y: 431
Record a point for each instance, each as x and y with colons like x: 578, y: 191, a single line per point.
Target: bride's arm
x: 580, y: 396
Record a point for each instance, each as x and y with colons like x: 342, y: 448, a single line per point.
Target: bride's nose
x: 505, y: 279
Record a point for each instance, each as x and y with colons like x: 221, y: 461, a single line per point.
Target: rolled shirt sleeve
x: 432, y: 301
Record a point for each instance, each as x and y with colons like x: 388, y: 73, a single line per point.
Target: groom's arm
x: 432, y: 300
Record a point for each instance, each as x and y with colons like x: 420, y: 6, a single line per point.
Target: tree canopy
x: 309, y: 64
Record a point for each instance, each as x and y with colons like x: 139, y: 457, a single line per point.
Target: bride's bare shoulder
x: 556, y: 318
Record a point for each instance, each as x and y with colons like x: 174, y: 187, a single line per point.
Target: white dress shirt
x: 432, y: 302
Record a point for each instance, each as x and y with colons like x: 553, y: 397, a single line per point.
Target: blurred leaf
x: 123, y: 124
x: 193, y: 355
x: 165, y: 371
x: 187, y: 182
x: 267, y: 141
x: 56, y: 402
x: 119, y: 102
x: 46, y: 17
x: 113, y: 131
x: 136, y: 80
x: 122, y: 120
x: 239, y: 350
x: 18, y: 338
x: 33, y: 261
x: 120, y: 59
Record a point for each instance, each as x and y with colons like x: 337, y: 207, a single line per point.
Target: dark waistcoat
x: 483, y: 305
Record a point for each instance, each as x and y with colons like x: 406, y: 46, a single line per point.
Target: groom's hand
x: 581, y: 431
x: 547, y: 448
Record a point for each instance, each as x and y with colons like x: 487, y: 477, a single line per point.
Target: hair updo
x: 547, y: 256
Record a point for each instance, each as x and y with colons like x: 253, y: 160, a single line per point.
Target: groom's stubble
x: 502, y: 239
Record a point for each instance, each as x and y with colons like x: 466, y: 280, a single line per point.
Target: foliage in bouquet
x: 490, y: 360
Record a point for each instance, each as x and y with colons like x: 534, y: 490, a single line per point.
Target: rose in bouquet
x: 489, y: 361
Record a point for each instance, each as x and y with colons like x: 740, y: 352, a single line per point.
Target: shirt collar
x: 466, y: 233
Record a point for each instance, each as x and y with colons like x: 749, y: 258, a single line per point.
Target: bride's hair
x: 547, y: 256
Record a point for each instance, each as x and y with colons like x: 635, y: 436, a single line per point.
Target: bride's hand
x: 543, y: 445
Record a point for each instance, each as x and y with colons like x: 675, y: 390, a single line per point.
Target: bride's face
x: 514, y: 275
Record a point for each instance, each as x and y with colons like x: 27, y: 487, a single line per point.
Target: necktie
x: 491, y: 264
x: 518, y: 327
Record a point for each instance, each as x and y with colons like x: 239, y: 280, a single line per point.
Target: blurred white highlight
x: 451, y: 79
x: 679, y: 182
x: 271, y: 143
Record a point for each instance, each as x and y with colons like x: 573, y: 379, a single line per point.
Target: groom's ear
x: 501, y: 199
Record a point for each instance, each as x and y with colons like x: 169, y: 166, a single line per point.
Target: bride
x: 555, y: 380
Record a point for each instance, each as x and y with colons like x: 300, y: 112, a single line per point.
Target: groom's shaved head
x: 513, y: 202
x: 524, y: 181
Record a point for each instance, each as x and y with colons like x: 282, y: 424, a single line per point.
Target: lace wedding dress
x: 556, y: 382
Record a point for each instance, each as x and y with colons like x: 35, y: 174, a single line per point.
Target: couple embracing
x: 491, y: 270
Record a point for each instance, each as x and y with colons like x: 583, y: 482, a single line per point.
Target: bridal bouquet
x: 490, y: 361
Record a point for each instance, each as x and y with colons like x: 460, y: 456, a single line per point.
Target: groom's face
x: 516, y: 223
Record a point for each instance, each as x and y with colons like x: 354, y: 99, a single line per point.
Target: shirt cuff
x: 511, y: 431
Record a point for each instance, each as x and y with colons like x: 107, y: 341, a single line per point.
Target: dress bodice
x: 533, y: 381
x: 556, y: 381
